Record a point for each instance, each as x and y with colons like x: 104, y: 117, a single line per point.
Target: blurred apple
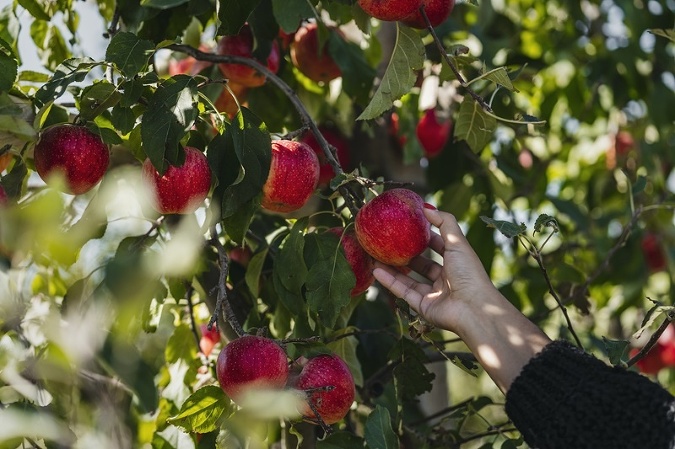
x: 242, y: 45
x: 436, y: 10
x: 314, y: 62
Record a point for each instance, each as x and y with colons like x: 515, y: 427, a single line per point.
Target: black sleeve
x: 565, y: 398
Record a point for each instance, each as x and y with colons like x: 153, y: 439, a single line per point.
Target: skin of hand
x: 461, y: 298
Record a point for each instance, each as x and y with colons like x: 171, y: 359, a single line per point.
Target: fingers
x: 401, y: 285
x: 427, y: 267
x: 450, y: 232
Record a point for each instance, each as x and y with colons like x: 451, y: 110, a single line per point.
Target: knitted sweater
x: 565, y: 398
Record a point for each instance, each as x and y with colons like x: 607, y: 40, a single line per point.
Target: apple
x: 333, y: 136
x: 209, y: 338
x: 293, y: 176
x: 437, y: 11
x: 431, y: 134
x: 314, y: 62
x: 623, y: 143
x: 653, y: 253
x: 226, y: 103
x: 395, y: 128
x: 329, y: 386
x: 251, y: 363
x: 242, y: 45
x: 389, y: 10
x: 359, y: 260
x: 241, y: 255
x: 182, y: 189
x: 75, y: 152
x: 189, y: 65
x: 392, y: 227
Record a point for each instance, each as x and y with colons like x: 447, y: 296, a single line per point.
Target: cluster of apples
x: 252, y: 363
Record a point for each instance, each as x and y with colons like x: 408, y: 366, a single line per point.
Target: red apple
x: 250, y: 363
x: 329, y: 386
x: 75, y: 152
x: 314, y: 62
x: 209, y: 338
x: 182, y: 189
x: 390, y: 10
x: 359, y: 260
x: 326, y: 172
x: 431, y: 134
x: 241, y: 255
x: 392, y: 227
x: 653, y: 253
x: 623, y: 143
x: 293, y: 176
x: 651, y: 363
x: 437, y: 11
x: 189, y: 65
x: 242, y: 45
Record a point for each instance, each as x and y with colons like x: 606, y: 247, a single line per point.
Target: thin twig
x: 222, y: 300
x: 454, y: 69
x: 652, y: 340
x: 189, y: 290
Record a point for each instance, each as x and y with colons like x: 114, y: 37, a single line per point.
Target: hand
x: 458, y: 287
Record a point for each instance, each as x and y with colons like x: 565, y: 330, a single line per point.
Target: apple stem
x: 347, y: 193
x: 293, y: 134
x: 326, y: 428
x: 308, y: 340
x: 670, y: 316
x: 452, y: 65
x: 222, y: 301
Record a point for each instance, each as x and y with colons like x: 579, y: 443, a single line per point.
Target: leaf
x: 202, y: 411
x: 357, y: 74
x: 668, y: 34
x: 129, y: 53
x: 340, y: 440
x: 474, y: 125
x: 162, y: 4
x: 379, y: 433
x: 8, y: 70
x: 237, y: 223
x: 290, y: 270
x: 413, y: 377
x: 181, y: 345
x: 400, y: 76
x: 170, y: 114
x: 615, y: 349
x: 254, y: 270
x: 639, y: 185
x: 290, y: 13
x: 36, y: 9
x: 68, y: 72
x: 232, y: 15
x: 501, y: 77
x: 97, y: 98
x: 651, y: 316
x: 330, y: 278
x: 51, y: 45
x: 345, y: 348
x: 545, y: 220
x: 507, y: 228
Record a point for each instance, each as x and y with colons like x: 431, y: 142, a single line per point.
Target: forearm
x: 501, y: 337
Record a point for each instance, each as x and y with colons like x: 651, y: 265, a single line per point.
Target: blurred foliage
x: 101, y: 299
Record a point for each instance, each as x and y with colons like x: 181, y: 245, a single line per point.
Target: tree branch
x: 222, y: 301
x: 652, y: 340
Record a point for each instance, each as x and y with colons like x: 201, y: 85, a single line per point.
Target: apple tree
x: 195, y: 185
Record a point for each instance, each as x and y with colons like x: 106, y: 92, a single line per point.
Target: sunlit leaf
x: 202, y: 411
x: 128, y: 52
x: 474, y: 124
x: 507, y: 228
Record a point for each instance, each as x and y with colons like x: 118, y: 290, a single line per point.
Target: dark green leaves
x: 129, y: 53
x: 290, y: 13
x: 68, y: 72
x: 413, y: 377
x: 97, y: 98
x: 233, y: 14
x: 171, y: 113
x: 505, y: 227
x: 290, y: 270
x: 8, y: 66
x: 357, y: 74
x: 379, y: 432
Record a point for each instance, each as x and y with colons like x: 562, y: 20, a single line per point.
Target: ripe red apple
x: 651, y: 363
x: 250, y: 363
x: 329, y: 386
x: 333, y: 136
x: 242, y: 45
x: 392, y: 227
x: 188, y: 65
x: 623, y: 143
x: 437, y: 11
x: 293, y: 176
x: 431, y: 134
x: 74, y: 151
x: 653, y: 253
x: 181, y: 189
x: 209, y: 338
x: 390, y: 10
x: 314, y: 62
x: 359, y: 260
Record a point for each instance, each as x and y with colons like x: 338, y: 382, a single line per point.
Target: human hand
x: 458, y: 288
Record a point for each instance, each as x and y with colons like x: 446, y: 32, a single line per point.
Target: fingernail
x: 430, y: 206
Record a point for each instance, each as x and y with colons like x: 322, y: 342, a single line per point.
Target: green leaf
x: 202, y: 411
x: 668, y: 34
x: 290, y: 270
x: 97, y: 98
x: 639, y: 185
x: 170, y: 114
x: 505, y: 227
x: 474, y: 125
x: 615, y: 349
x: 651, y: 316
x: 123, y: 119
x: 36, y: 8
x: 400, y: 77
x: 254, y: 270
x: 501, y: 77
x: 129, y: 53
x: 345, y: 347
x: 290, y: 13
x: 545, y: 220
x: 330, y: 278
x: 50, y: 43
x: 232, y: 15
x: 8, y: 70
x: 379, y: 432
x: 340, y: 440
x: 68, y: 72
x: 162, y: 4
x: 237, y: 223
x: 357, y: 74
x: 181, y: 345
x: 413, y: 377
